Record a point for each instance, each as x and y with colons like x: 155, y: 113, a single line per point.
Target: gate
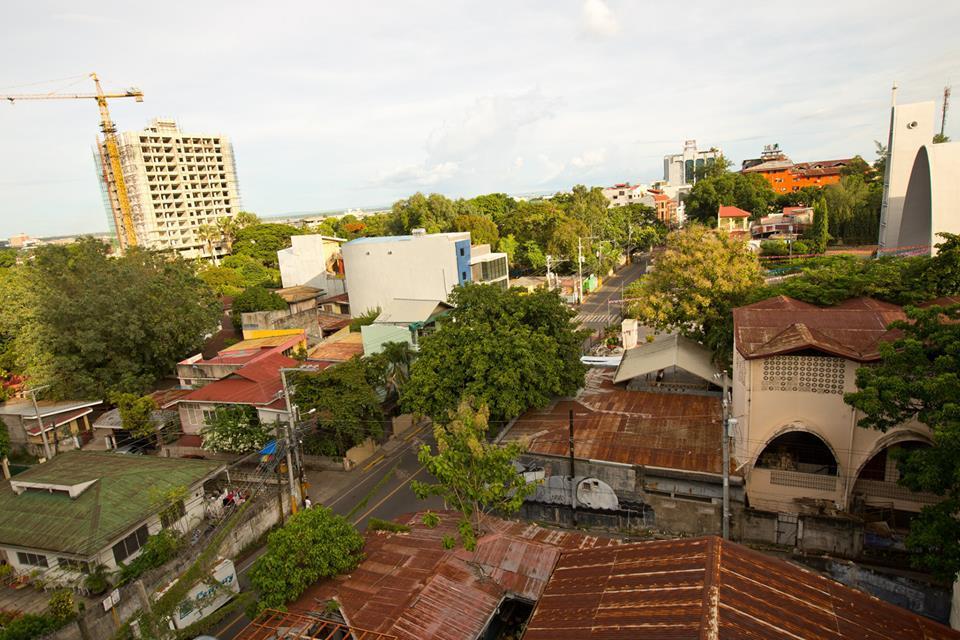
x: 787, y: 527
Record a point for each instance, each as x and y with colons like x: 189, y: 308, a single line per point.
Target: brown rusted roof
x: 670, y: 430
x: 285, y: 625
x: 852, y: 329
x: 410, y: 587
x: 298, y: 293
x: 338, y: 349
x: 709, y: 588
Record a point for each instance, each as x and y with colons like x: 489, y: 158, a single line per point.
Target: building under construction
x: 176, y: 183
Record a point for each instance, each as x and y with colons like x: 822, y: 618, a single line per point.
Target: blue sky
x: 334, y: 105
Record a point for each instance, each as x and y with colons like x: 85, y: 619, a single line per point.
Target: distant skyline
x: 331, y: 106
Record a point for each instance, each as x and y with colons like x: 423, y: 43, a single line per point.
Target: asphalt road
x: 381, y: 489
x: 596, y: 312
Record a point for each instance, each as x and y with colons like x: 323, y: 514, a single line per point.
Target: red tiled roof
x: 257, y: 383
x: 410, y: 587
x: 779, y: 325
x: 732, y: 212
x: 340, y: 297
x: 669, y: 430
x: 709, y: 588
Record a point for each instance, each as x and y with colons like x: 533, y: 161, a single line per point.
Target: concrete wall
x: 421, y: 267
x: 836, y: 536
x: 306, y: 320
x: 310, y: 260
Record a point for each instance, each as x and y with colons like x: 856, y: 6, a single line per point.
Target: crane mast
x: 127, y: 235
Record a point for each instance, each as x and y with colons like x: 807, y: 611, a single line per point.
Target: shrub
x: 156, y: 552
x: 97, y: 582
x: 62, y: 605
x: 430, y: 519
x: 376, y: 524
x: 800, y: 248
x: 30, y: 626
x: 774, y: 248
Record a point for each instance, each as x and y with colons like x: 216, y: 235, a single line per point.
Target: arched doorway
x: 877, y: 493
x: 799, y: 451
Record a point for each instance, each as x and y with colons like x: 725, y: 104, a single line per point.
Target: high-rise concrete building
x: 176, y: 183
x: 679, y: 169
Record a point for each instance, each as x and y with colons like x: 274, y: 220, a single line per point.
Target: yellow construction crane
x: 129, y: 237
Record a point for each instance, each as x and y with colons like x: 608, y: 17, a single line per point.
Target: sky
x: 331, y: 105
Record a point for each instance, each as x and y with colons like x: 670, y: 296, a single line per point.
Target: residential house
x: 86, y: 509
x: 620, y: 195
x: 785, y: 175
x: 791, y: 223
x: 66, y: 424
x: 797, y: 441
x: 307, y: 311
x: 108, y: 427
x: 403, y: 320
x: 315, y: 261
x: 666, y: 208
x: 651, y: 430
x: 708, y: 588
x: 734, y: 221
x: 420, y: 266
x: 196, y: 371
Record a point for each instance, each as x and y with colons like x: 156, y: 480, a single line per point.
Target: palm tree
x: 398, y: 356
x: 210, y: 234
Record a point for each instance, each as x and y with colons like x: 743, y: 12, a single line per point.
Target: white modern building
x: 176, y: 183
x: 419, y: 266
x: 911, y: 127
x: 313, y: 261
x: 679, y: 169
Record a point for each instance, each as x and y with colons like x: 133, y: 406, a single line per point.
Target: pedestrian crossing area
x: 598, y: 319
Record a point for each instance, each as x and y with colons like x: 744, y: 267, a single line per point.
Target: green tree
x: 89, y: 324
x: 234, y: 429
x: 364, y: 319
x: 8, y: 258
x: 223, y: 280
x: 397, y: 358
x: 482, y: 229
x: 496, y: 206
x: 473, y: 476
x: 313, y: 544
x: 252, y: 272
x: 918, y: 377
x: 510, y: 350
x: 748, y: 191
x: 262, y: 241
x: 136, y: 415
x: 509, y: 246
x: 345, y: 402
x: 435, y: 213
x: 255, y: 299
x: 532, y: 255
x: 212, y: 236
x: 819, y: 234
x: 698, y: 280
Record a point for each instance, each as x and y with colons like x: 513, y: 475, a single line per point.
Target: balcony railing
x: 893, y: 491
x: 802, y: 480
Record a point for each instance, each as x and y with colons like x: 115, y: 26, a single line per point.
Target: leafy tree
x: 8, y: 258
x: 255, y: 299
x: 234, y: 429
x: 89, y: 324
x: 251, y: 271
x: 854, y: 206
x: 700, y: 278
x: 364, y: 319
x: 774, y: 247
x: 211, y: 235
x: 919, y: 378
x: 345, y: 400
x: 532, y: 255
x: 397, y: 358
x: 509, y: 246
x: 435, y: 213
x: 482, y: 229
x: 819, y: 234
x: 748, y: 191
x: 313, y: 544
x: 223, y: 280
x: 510, y: 350
x: 136, y: 414
x: 493, y: 205
x: 473, y: 476
x: 262, y: 241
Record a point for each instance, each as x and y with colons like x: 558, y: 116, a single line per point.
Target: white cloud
x: 420, y: 175
x: 589, y: 159
x: 598, y: 20
x: 518, y: 162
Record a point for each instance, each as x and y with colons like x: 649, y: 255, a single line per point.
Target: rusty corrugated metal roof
x: 779, y: 325
x: 675, y: 431
x: 708, y: 588
x: 285, y: 625
x: 410, y: 587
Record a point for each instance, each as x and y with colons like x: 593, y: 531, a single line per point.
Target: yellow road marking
x: 373, y: 463
x: 388, y: 496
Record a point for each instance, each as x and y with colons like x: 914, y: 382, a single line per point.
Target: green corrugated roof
x: 120, y: 499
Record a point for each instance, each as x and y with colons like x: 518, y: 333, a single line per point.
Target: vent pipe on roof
x: 418, y: 232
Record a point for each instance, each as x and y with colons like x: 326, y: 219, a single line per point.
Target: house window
x: 73, y: 565
x: 32, y: 559
x: 131, y: 544
x: 173, y: 513
x: 461, y: 251
x: 463, y: 273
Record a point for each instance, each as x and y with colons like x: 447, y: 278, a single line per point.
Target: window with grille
x: 32, y: 559
x: 813, y: 374
x: 131, y: 544
x: 73, y: 565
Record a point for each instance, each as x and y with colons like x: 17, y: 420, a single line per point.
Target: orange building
x: 665, y: 206
x: 785, y: 176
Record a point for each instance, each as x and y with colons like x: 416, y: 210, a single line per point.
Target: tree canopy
x: 510, y: 350
x: 136, y: 414
x: 919, y: 378
x: 697, y: 281
x: 473, y: 476
x: 262, y: 241
x: 720, y: 187
x: 234, y: 429
x: 255, y: 299
x: 313, y: 544
x: 346, y: 405
x: 89, y: 324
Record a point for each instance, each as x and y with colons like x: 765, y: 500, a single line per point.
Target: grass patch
x: 366, y: 499
x: 378, y: 524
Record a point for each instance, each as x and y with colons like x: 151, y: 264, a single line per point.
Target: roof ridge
x: 710, y: 618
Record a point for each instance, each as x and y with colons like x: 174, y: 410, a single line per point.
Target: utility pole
x: 549, y: 259
x: 573, y: 486
x: 943, y: 117
x: 726, y: 460
x: 580, y: 269
x: 294, y: 491
x: 36, y: 408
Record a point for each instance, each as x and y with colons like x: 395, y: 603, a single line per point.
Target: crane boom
x: 129, y: 238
